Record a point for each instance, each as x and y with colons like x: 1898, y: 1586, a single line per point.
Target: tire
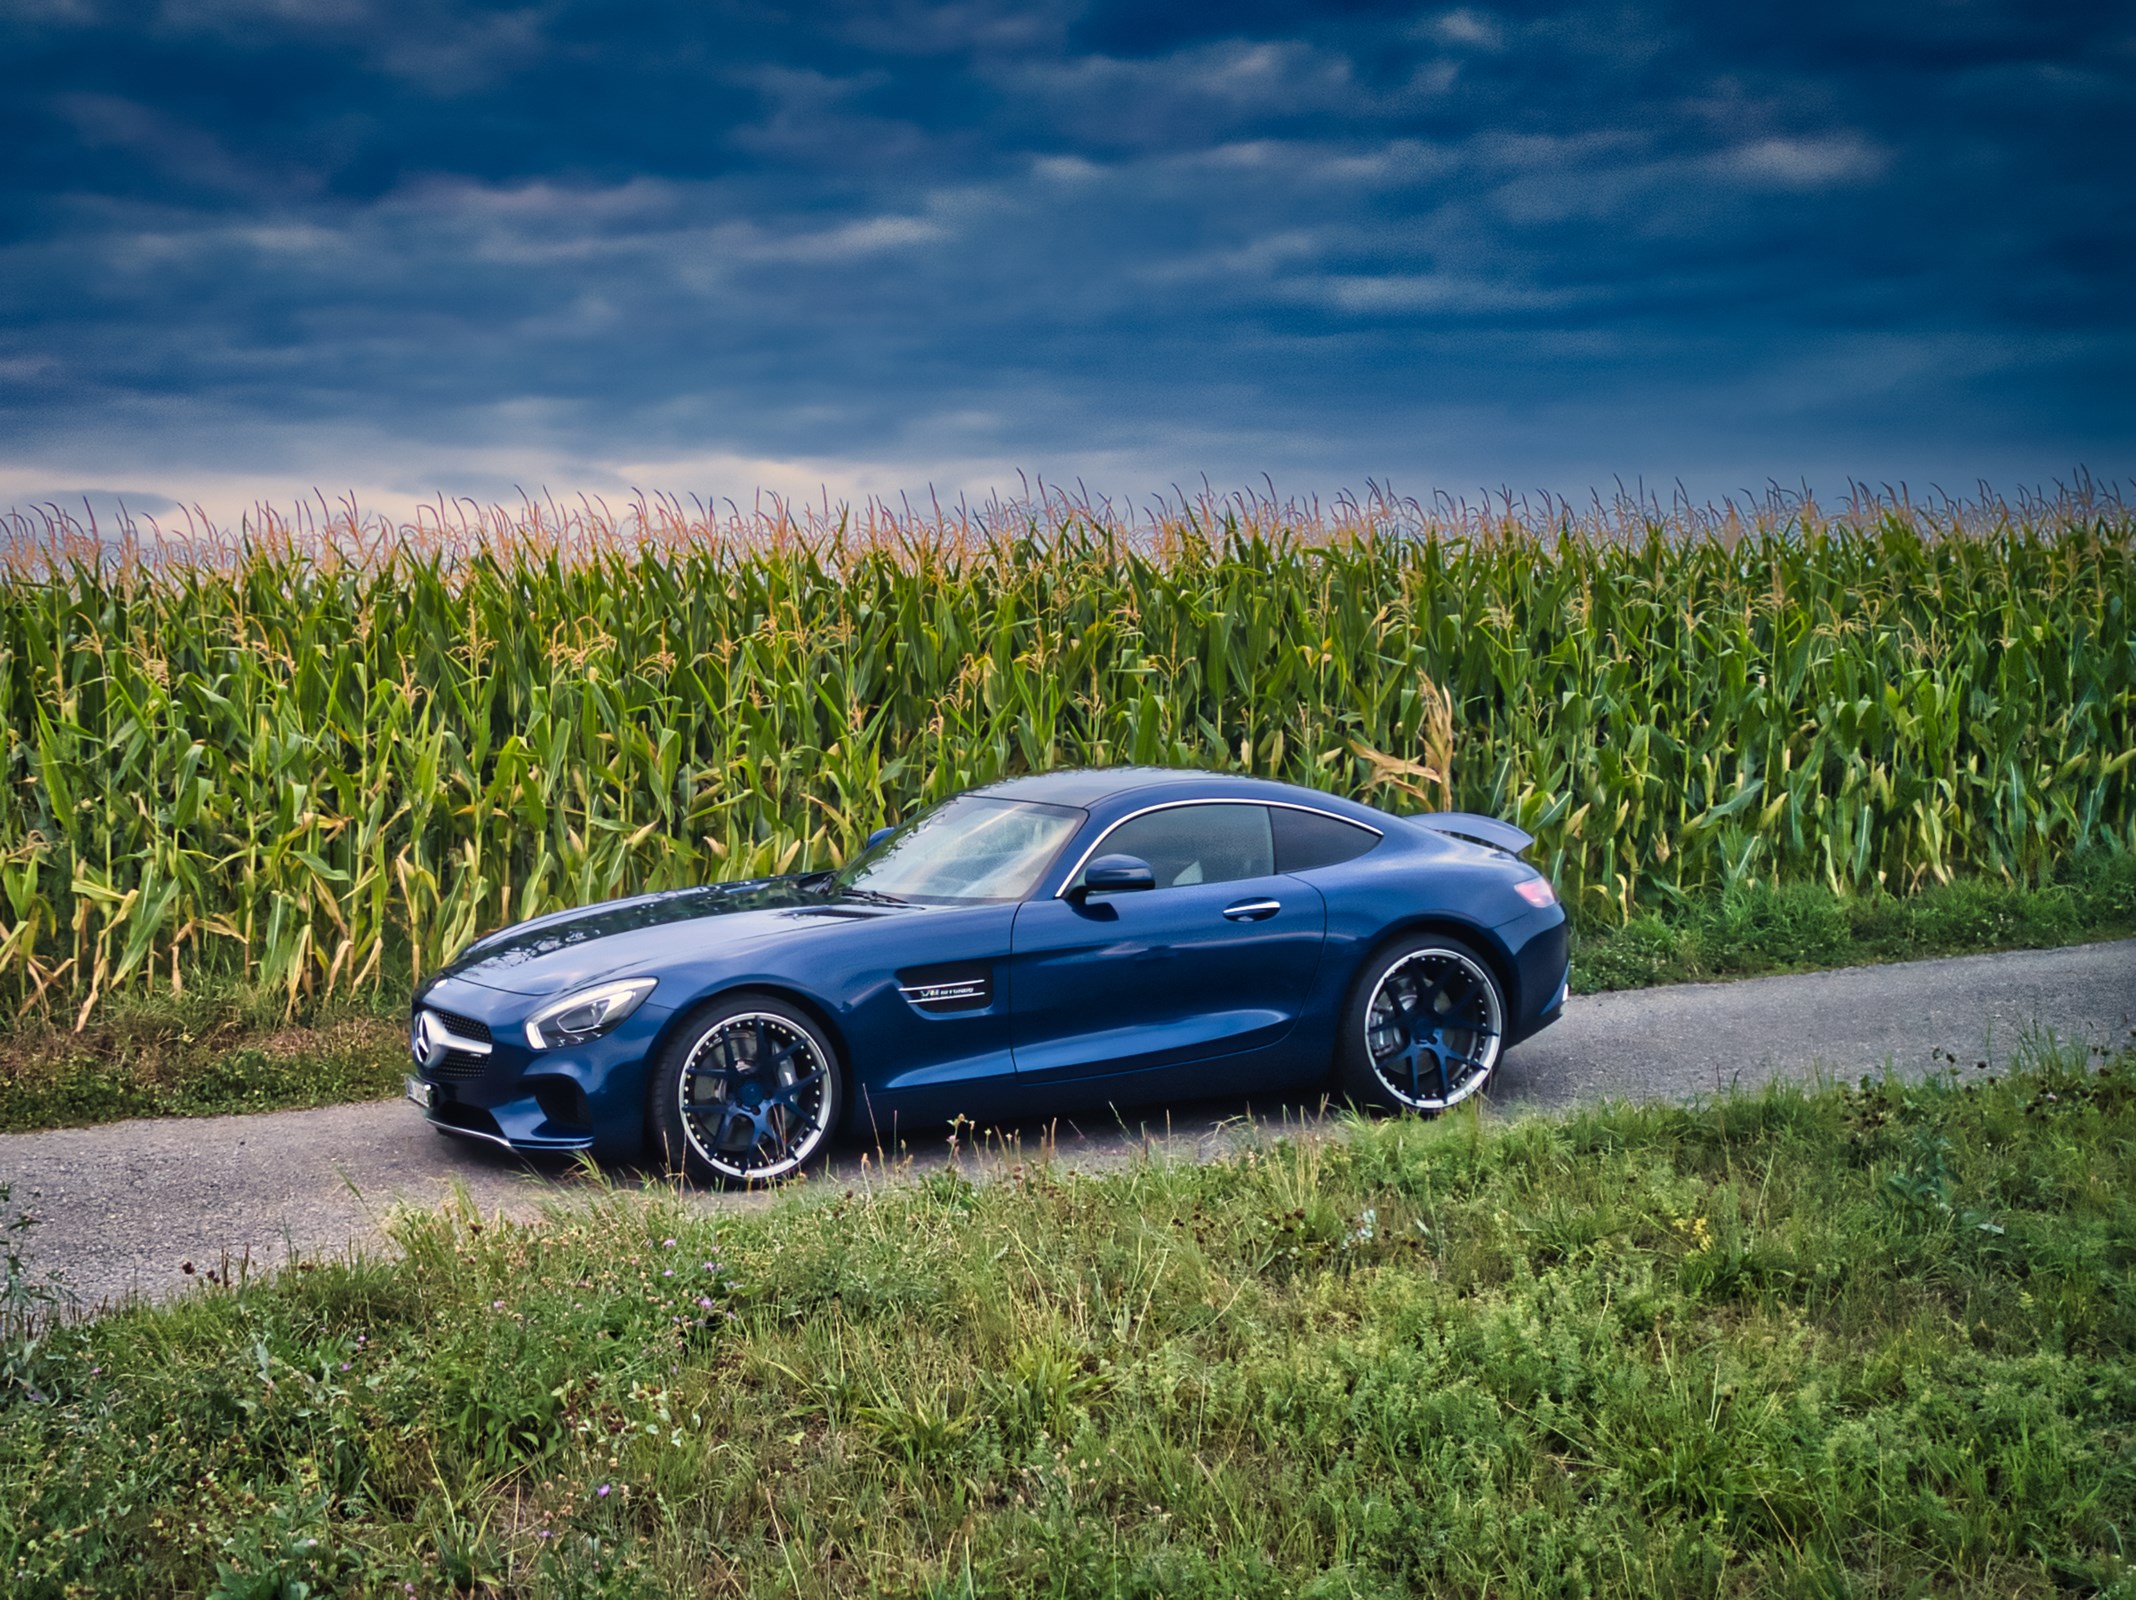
x: 1395, y: 1055
x: 716, y: 1115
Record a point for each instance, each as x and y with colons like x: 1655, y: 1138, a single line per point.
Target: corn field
x: 321, y: 757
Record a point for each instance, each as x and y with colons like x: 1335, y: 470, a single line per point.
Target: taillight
x: 1536, y: 891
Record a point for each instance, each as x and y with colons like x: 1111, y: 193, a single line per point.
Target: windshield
x: 965, y: 849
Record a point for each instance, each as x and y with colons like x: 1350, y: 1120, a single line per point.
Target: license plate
x: 423, y: 1094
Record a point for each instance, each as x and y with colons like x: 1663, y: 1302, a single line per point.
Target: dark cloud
x: 428, y: 244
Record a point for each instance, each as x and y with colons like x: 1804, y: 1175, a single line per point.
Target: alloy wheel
x: 757, y: 1096
x: 1433, y: 1028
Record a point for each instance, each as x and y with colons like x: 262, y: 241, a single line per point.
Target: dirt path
x: 126, y: 1205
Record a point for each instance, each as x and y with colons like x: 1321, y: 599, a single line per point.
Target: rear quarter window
x: 1309, y: 839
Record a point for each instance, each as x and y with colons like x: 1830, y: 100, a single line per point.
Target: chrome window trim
x: 1082, y: 860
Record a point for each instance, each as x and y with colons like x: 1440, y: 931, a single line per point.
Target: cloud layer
x: 423, y: 246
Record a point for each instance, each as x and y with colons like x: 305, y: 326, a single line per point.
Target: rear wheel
x: 1423, y: 1028
x: 748, y: 1094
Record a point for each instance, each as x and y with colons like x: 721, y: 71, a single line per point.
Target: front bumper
x: 522, y: 1126
x: 589, y: 1097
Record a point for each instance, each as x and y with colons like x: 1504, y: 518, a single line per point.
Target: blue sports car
x: 1038, y: 945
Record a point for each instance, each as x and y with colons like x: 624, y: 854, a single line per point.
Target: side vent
x: 944, y: 991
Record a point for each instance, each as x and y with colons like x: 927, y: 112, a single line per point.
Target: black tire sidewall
x: 666, y: 1138
x: 1354, y: 1075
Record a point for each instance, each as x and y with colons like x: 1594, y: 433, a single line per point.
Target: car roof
x: 1085, y: 786
x: 1093, y: 786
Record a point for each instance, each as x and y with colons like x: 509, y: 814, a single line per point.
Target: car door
x: 1215, y: 960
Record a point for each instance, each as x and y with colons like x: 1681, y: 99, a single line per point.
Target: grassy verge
x: 205, y: 1053
x: 217, y: 1050
x: 1803, y: 927
x: 1845, y: 1342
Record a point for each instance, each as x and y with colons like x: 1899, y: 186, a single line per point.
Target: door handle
x: 1252, y: 910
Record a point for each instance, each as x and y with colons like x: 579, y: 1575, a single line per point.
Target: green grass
x: 222, y: 1048
x: 215, y: 1050
x: 1843, y: 1342
x: 1748, y: 931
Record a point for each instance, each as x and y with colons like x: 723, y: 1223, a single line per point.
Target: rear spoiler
x: 1477, y: 829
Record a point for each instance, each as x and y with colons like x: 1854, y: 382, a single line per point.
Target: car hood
x: 648, y: 933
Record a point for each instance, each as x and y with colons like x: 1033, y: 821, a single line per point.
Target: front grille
x: 457, y: 1064
x: 465, y: 1027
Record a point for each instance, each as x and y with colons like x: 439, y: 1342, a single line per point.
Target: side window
x: 1308, y: 839
x: 1198, y: 844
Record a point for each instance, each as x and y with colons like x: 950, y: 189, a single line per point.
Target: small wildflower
x: 705, y: 1300
x: 602, y: 1492
x: 667, y: 1244
x: 496, y: 1305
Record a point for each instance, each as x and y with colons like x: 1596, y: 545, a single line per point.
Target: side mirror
x: 1114, y: 875
x: 877, y: 837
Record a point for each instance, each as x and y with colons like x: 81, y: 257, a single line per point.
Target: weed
x: 29, y: 1306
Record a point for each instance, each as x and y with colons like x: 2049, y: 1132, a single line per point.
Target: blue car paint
x: 1131, y: 998
x: 1175, y: 982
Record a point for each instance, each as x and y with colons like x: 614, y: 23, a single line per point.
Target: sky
x: 251, y: 248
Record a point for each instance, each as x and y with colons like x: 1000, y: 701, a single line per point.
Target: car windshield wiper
x: 847, y: 891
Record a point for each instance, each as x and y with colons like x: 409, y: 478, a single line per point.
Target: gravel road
x: 124, y: 1206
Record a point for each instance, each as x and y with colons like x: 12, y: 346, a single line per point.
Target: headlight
x: 1536, y: 891
x: 587, y: 1014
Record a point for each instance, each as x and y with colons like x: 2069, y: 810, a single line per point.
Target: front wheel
x: 747, y: 1094
x: 1423, y: 1027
